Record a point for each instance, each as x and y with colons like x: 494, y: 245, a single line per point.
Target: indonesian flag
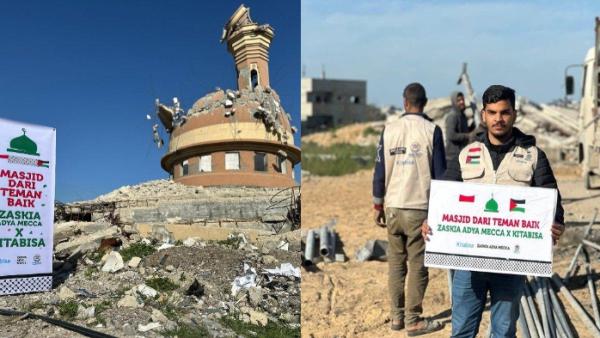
x: 517, y: 205
x: 466, y: 199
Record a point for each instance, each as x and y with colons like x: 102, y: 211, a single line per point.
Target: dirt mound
x: 359, y: 133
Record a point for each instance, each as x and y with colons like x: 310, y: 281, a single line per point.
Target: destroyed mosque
x: 237, y: 137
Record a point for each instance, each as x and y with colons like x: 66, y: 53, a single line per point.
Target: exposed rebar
x: 591, y: 287
x: 589, y: 324
x: 548, y: 306
x: 523, y: 324
x: 587, y: 231
x: 526, y: 311
x: 534, y: 313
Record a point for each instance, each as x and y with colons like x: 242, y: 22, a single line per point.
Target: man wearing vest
x: 409, y: 155
x: 506, y: 156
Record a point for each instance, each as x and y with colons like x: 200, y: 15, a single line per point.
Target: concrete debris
x: 149, y: 327
x: 129, y: 301
x: 255, y: 317
x: 247, y: 280
x: 113, y: 263
x: 85, y: 313
x: 134, y: 262
x: 85, y: 244
x: 189, y: 242
x: 100, y: 236
x: 373, y: 250
x: 158, y: 316
x: 146, y: 291
x: 65, y: 293
x: 159, y: 207
x: 286, y: 269
x: 165, y: 246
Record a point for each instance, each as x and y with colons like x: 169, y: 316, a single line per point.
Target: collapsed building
x: 555, y: 125
x: 231, y: 157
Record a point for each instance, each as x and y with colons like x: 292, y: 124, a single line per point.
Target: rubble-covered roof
x: 169, y: 189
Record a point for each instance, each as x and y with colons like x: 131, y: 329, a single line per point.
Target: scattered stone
x: 255, y: 317
x: 146, y: 291
x: 255, y: 295
x: 269, y: 260
x: 65, y: 293
x: 129, y: 301
x: 114, y: 262
x: 165, y: 246
x: 158, y: 316
x: 170, y: 268
x: 134, y: 262
x: 189, y: 242
x: 85, y: 313
x: 148, y: 327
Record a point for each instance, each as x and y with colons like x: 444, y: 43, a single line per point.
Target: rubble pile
x: 124, y: 285
x: 555, y: 127
x: 160, y: 203
x: 261, y: 103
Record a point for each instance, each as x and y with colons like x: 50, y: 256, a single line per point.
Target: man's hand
x: 557, y: 231
x: 380, y: 218
x: 426, y: 230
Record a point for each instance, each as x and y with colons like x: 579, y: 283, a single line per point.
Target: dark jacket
x: 457, y: 130
x: 542, y: 175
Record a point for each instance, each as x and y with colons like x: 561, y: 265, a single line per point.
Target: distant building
x: 237, y: 137
x: 327, y: 103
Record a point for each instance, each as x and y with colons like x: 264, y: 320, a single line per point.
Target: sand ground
x: 350, y: 299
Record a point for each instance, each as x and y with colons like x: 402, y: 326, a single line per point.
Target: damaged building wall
x: 179, y: 211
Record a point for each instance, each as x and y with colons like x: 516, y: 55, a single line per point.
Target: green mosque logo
x: 491, y: 205
x: 23, y: 145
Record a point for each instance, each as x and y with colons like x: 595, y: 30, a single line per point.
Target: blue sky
x: 92, y: 70
x: 522, y: 44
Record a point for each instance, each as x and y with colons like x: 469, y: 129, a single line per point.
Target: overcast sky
x: 524, y: 45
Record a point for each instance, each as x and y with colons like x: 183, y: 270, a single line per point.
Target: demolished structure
x: 239, y: 137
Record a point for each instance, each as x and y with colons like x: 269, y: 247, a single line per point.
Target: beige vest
x: 516, y: 167
x: 408, y: 146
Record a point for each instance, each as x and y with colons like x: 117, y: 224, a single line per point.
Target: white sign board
x: 492, y: 228
x: 27, y: 166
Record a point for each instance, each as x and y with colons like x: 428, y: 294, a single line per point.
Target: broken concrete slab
x: 134, y: 262
x: 86, y: 243
x: 113, y: 263
x: 129, y: 301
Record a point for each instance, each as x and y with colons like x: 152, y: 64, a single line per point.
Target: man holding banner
x: 502, y: 155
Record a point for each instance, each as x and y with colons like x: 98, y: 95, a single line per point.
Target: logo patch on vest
x: 415, y: 150
x: 398, y: 151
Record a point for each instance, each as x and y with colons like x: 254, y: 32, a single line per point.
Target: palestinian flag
x: 517, y: 205
x: 473, y: 159
x: 466, y: 199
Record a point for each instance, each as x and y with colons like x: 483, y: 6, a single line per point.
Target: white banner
x: 493, y: 228
x: 27, y: 167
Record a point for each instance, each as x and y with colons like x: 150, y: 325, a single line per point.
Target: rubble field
x: 112, y: 278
